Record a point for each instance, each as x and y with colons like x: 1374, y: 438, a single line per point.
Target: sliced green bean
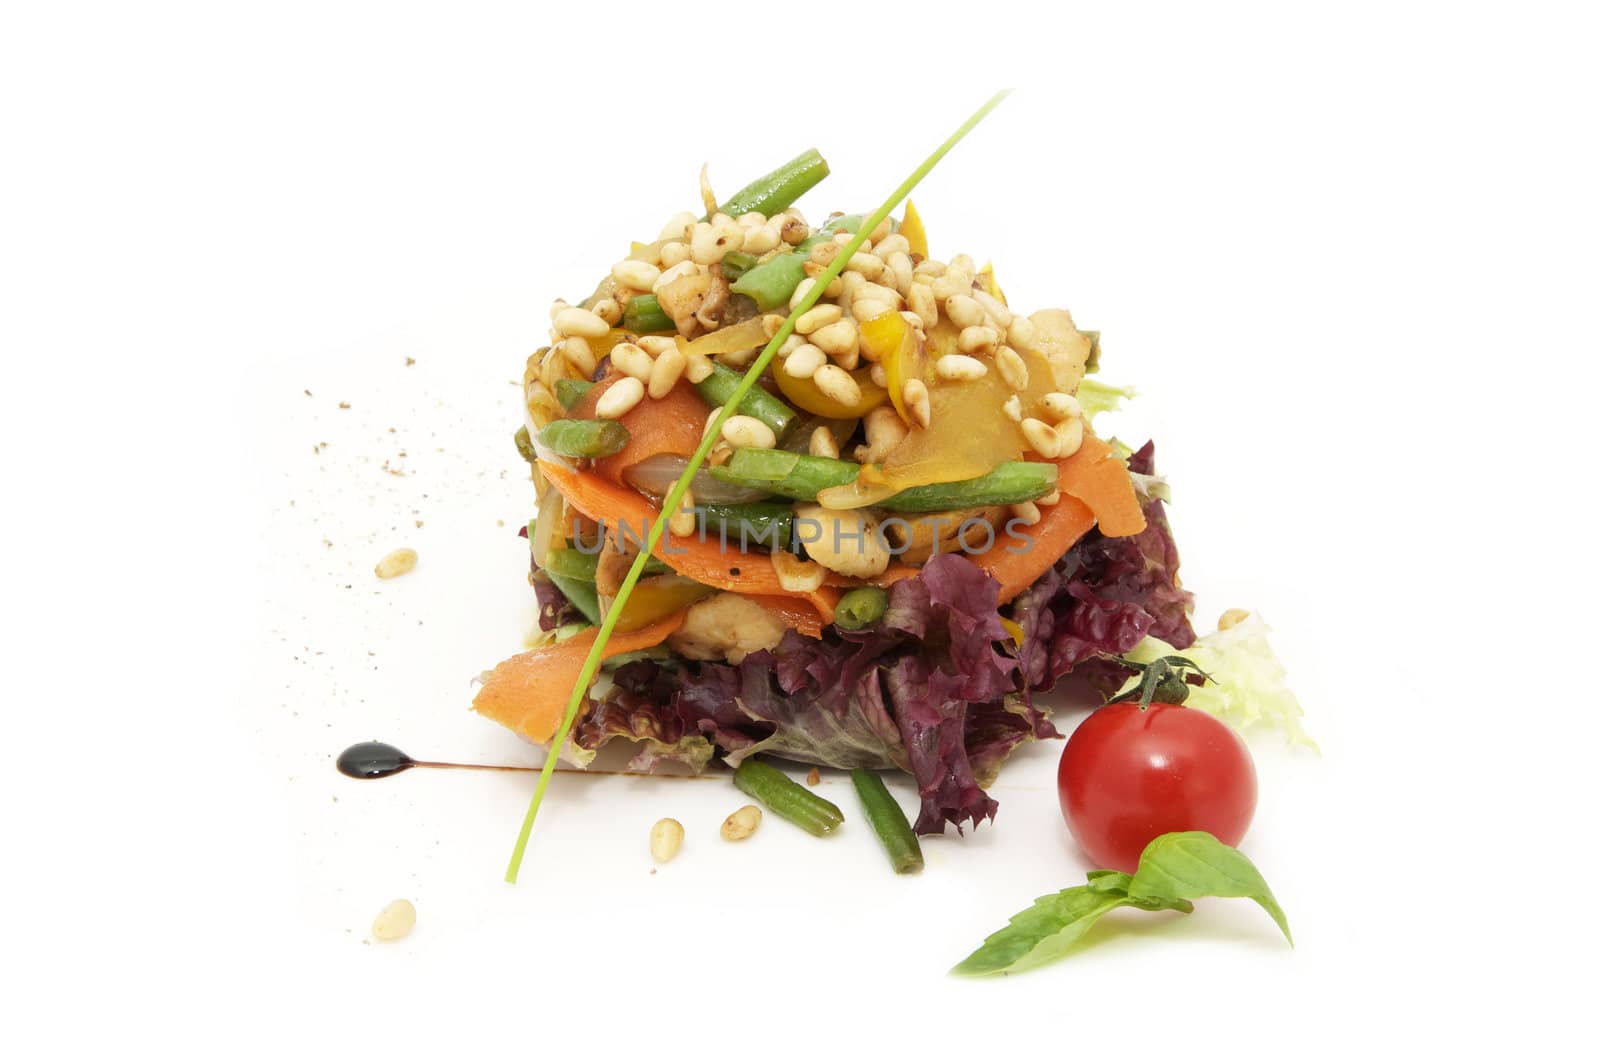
x: 1011, y: 482
x: 774, y: 192
x: 582, y: 595
x: 889, y: 821
x: 772, y: 283
x: 783, y: 472
x: 736, y: 264
x: 787, y: 798
x: 525, y: 445
x: 573, y: 438
x: 644, y: 314
x: 860, y: 607
x: 570, y: 391
x: 759, y: 403
x: 770, y: 524
x: 578, y: 565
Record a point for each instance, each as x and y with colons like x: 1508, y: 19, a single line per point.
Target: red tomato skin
x: 1128, y: 776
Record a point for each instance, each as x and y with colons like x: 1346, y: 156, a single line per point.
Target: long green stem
x: 674, y: 499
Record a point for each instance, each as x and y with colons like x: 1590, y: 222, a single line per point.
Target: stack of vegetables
x: 906, y: 529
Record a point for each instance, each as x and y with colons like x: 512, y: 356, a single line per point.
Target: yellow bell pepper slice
x: 804, y: 393
x: 656, y: 599
x: 986, y: 278
x: 911, y: 228
x: 889, y: 341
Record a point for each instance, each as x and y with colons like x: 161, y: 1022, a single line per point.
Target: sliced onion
x: 545, y: 525
x: 655, y: 476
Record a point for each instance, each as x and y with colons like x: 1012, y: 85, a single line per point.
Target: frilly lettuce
x: 1247, y: 688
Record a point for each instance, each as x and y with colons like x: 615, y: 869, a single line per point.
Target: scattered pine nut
x: 1232, y: 618
x: 666, y: 838
x: 396, y: 563
x: 742, y: 824
x: 395, y: 921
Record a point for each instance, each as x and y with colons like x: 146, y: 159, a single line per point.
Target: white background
x: 1348, y: 256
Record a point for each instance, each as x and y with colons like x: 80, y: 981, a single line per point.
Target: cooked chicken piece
x: 726, y: 626
x: 846, y: 541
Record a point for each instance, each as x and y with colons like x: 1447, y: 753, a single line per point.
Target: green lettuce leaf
x: 1248, y: 688
x: 1096, y: 396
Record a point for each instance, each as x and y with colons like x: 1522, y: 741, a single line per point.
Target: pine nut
x: 916, y: 398
x: 977, y: 339
x: 771, y: 323
x: 395, y: 921
x: 1042, y: 439
x: 892, y: 244
x: 742, y: 824
x: 1023, y: 335
x: 964, y: 264
x: 751, y: 219
x: 1026, y: 512
x: 805, y: 361
x: 666, y: 838
x: 959, y: 367
x: 950, y: 284
x: 880, y: 231
x: 885, y: 431
x: 665, y: 373
x: 676, y: 225
x: 635, y: 274
x: 760, y: 240
x: 744, y: 431
x: 1050, y: 499
x: 673, y: 253
x: 997, y: 311
x: 880, y: 292
x: 838, y: 340
x: 396, y: 563
x: 929, y: 268
x: 683, y: 269
x: 682, y: 522
x: 1070, y: 433
x: 1013, y: 370
x: 963, y: 311
x: 609, y: 311
x: 880, y: 376
x: 822, y: 443
x: 709, y: 243
x: 556, y: 308
x: 817, y: 317
x: 795, y: 575
x: 619, y: 398
x: 630, y: 358
x: 923, y: 304
x: 575, y: 349
x: 576, y: 321
x: 899, y: 266
x: 656, y: 346
x: 800, y: 291
x: 738, y: 359
x: 699, y: 367
x: 837, y: 385
x: 824, y: 253
x: 1061, y: 406
x: 867, y: 309
x: 1232, y: 618
x: 711, y: 419
x: 1013, y: 408
x: 794, y: 230
x: 869, y: 266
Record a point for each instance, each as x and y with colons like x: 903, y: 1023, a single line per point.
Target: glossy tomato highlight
x: 1129, y: 775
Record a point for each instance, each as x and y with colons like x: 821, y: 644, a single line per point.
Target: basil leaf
x: 1041, y: 933
x: 1191, y: 864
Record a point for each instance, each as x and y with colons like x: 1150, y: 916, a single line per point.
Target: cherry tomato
x: 1129, y: 775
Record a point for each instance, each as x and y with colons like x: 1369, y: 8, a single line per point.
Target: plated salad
x: 907, y: 529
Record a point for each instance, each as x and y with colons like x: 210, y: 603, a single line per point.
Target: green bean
x: 574, y: 564
x: 525, y: 445
x: 860, y: 607
x: 1013, y: 481
x: 768, y: 523
x: 570, y: 391
x: 644, y: 314
x: 787, y: 798
x: 772, y: 283
x: 773, y: 193
x: 582, y: 595
x: 783, y: 472
x: 759, y: 403
x: 845, y: 223
x: 584, y: 439
x: 889, y: 821
x: 736, y: 264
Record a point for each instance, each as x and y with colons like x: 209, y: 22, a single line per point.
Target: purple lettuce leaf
x: 554, y: 609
